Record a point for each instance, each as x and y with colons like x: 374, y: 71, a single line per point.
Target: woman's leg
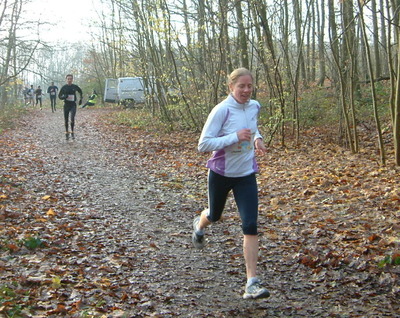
x: 246, y: 197
x: 218, y: 189
x: 250, y: 252
x: 204, y: 222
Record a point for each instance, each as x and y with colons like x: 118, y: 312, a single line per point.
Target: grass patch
x: 390, y: 260
x: 138, y: 119
x: 9, y: 115
x: 33, y: 242
x: 12, y: 299
x: 29, y: 242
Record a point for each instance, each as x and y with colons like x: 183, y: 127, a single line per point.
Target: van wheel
x: 130, y: 104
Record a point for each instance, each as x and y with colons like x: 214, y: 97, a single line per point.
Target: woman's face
x: 243, y: 87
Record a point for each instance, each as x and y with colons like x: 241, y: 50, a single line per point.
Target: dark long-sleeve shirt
x: 68, y: 93
x: 52, y: 90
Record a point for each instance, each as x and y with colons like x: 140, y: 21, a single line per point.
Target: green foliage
x: 141, y: 118
x: 136, y: 118
x: 4, y: 244
x: 6, y: 291
x: 269, y: 121
x: 9, y: 114
x: 10, y: 301
x: 390, y: 260
x: 364, y: 102
x: 33, y: 242
x: 29, y: 242
x: 318, y: 107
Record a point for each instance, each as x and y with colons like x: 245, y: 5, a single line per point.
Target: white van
x: 131, y: 91
x: 111, y: 90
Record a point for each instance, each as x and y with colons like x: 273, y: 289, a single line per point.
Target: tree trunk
x: 375, y: 34
x: 273, y: 75
x: 396, y: 123
x: 396, y: 104
x: 243, y: 49
x: 311, y: 57
x: 384, y: 41
x: 321, y: 44
x: 373, y: 91
x: 350, y: 60
x: 186, y: 23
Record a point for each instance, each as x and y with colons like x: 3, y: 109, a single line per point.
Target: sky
x: 70, y: 18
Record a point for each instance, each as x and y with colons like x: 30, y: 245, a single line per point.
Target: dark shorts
x: 246, y: 197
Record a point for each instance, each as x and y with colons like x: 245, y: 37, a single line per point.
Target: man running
x: 52, y: 91
x: 68, y: 94
x: 38, y: 94
x: 31, y: 93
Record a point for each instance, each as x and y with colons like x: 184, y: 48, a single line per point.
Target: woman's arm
x: 210, y: 139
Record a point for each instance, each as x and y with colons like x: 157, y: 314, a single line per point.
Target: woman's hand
x: 260, y: 147
x: 244, y: 134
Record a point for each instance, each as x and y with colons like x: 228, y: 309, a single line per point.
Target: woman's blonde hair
x: 233, y: 77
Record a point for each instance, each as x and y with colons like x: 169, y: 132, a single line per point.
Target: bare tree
x: 15, y: 54
x: 242, y: 45
x: 271, y: 67
x: 192, y: 45
x: 372, y: 83
x: 376, y: 43
x: 395, y: 79
x: 321, y: 43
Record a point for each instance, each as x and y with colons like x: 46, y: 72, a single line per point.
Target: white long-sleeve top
x: 230, y: 157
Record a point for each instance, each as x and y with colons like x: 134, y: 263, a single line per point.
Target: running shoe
x: 197, y: 239
x: 255, y: 291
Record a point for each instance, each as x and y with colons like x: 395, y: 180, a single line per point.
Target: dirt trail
x: 129, y: 248
x: 150, y: 263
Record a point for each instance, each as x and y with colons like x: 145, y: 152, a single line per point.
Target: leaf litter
x: 101, y: 227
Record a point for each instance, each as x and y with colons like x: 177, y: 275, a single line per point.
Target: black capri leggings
x: 246, y: 197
